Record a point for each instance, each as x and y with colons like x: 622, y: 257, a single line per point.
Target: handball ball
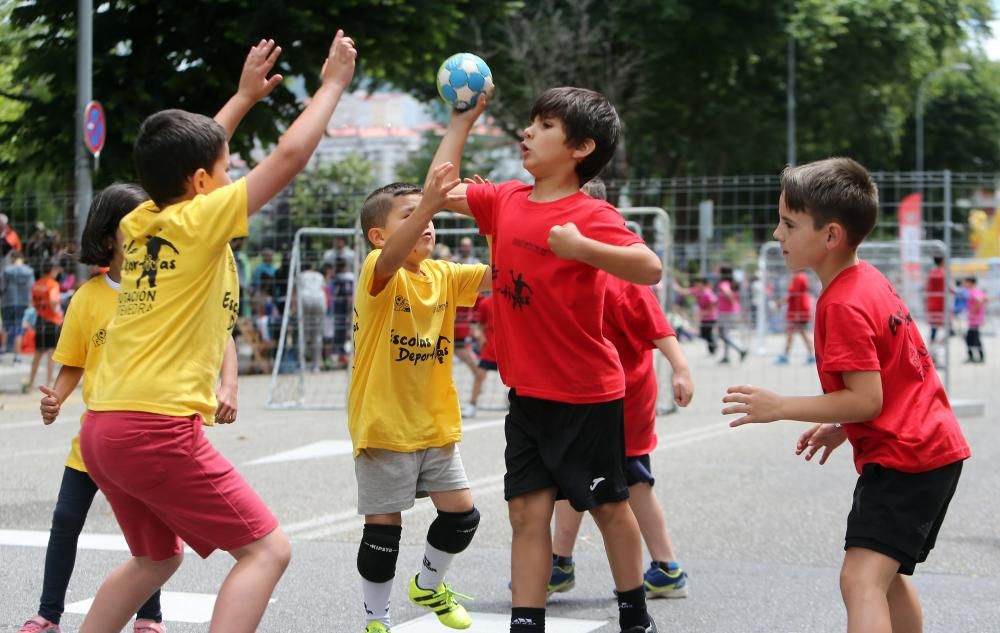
x: 462, y: 78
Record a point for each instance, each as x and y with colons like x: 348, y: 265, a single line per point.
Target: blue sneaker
x: 563, y: 576
x: 668, y: 582
x: 781, y: 360
x: 810, y: 360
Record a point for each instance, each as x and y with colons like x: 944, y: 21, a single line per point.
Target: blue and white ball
x: 462, y: 78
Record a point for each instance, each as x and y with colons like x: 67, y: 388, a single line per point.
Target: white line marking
x: 195, y: 608
x: 88, y: 541
x: 316, y: 450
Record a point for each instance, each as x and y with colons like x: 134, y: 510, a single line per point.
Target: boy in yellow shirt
x: 142, y: 438
x: 403, y: 409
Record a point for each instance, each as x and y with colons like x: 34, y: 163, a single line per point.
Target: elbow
x: 872, y: 407
x: 652, y: 270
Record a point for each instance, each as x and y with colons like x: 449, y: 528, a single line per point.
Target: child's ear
x: 584, y: 149
x: 836, y: 236
x: 376, y: 236
x: 199, y: 181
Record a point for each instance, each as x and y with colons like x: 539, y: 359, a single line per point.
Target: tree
x: 154, y: 55
x: 330, y: 193
x: 483, y: 154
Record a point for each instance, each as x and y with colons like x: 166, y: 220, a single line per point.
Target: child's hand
x: 566, y: 240
x: 683, y: 387
x: 339, y: 65
x: 476, y: 180
x: 758, y: 405
x: 825, y: 436
x: 225, y: 411
x: 469, y: 117
x: 50, y: 405
x: 437, y: 194
x: 254, y: 83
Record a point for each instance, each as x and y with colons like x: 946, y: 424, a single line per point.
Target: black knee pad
x: 379, y: 551
x: 452, y: 532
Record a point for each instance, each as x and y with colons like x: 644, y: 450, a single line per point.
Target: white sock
x: 376, y: 596
x: 434, y: 567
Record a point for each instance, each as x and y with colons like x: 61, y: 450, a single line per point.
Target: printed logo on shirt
x: 419, y: 349
x: 99, y: 337
x: 231, y: 304
x: 534, y: 248
x: 920, y: 358
x: 596, y: 482
x: 518, y: 291
x: 150, y: 263
x: 402, y: 304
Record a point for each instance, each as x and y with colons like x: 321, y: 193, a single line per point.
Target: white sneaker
x: 469, y: 411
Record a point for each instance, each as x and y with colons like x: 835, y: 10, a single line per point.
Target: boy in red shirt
x: 553, y: 248
x: 798, y: 310
x: 482, y: 327
x: 45, y: 298
x: 934, y: 297
x: 881, y: 392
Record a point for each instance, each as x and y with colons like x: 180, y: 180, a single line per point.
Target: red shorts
x: 166, y: 482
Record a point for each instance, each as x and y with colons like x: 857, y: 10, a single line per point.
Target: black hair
x: 833, y: 190
x: 377, y: 205
x: 938, y: 260
x: 110, y: 205
x: 170, y: 147
x: 584, y: 114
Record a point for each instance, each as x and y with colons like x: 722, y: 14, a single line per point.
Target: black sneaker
x: 649, y: 628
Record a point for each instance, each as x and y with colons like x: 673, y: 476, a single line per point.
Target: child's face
x: 402, y: 208
x: 801, y: 243
x: 544, y: 149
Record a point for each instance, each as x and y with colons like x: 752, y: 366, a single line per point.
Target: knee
x: 856, y: 587
x: 452, y: 532
x: 524, y: 518
x: 607, y: 514
x: 378, y: 552
x: 279, y: 549
x: 68, y: 519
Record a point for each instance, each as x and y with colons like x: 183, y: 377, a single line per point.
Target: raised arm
x: 450, y: 151
x: 299, y: 142
x: 398, y: 246
x: 253, y: 87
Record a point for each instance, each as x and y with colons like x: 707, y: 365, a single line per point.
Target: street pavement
x: 759, y: 530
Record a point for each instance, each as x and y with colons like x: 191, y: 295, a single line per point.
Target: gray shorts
x: 389, y: 481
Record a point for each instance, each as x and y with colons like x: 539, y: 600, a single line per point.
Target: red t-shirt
x: 799, y: 300
x: 935, y: 296
x: 863, y: 325
x: 633, y: 319
x: 463, y: 323
x: 548, y: 311
x: 484, y: 314
x: 44, y: 294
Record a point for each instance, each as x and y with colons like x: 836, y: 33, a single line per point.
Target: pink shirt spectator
x: 977, y: 307
x: 708, y: 304
x: 728, y: 304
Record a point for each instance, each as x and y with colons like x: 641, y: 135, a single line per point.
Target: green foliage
x: 329, y: 194
x: 171, y: 53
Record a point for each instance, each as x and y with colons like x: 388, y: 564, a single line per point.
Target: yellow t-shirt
x: 402, y: 394
x: 81, y: 342
x: 166, y: 340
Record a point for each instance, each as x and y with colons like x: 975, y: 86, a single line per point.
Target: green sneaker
x: 563, y: 577
x: 442, y: 601
x: 376, y: 627
x: 665, y: 581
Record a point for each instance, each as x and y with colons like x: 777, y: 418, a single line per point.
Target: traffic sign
x: 94, y: 128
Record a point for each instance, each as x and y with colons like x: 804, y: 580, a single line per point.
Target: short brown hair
x: 377, y: 205
x: 833, y: 190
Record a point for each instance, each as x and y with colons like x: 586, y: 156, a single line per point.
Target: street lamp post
x: 921, y: 90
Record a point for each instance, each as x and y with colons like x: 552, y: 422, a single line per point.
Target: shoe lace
x: 450, y: 595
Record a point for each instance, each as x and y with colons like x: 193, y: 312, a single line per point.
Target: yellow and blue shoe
x: 443, y: 602
x: 563, y: 577
x: 376, y: 627
x: 665, y: 581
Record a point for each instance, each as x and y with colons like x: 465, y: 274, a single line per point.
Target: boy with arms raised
x: 881, y: 392
x: 552, y: 249
x: 403, y: 409
x: 142, y: 439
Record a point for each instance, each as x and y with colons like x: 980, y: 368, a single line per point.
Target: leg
x: 35, y: 360
x: 652, y: 523
x: 864, y: 584
x: 246, y: 590
x: 150, y: 610
x: 904, y: 606
x: 76, y: 494
x: 567, y: 527
x: 50, y: 367
x: 477, y: 386
x: 448, y: 535
x: 125, y: 589
x: 622, y: 541
x: 468, y: 356
x: 377, y: 556
x: 789, y: 335
x: 531, y: 546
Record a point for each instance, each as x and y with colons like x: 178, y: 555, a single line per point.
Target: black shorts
x: 46, y: 335
x: 899, y: 514
x: 578, y: 448
x: 638, y: 470
x: 488, y: 365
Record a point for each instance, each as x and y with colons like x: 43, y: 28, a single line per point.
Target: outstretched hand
x: 438, y: 192
x: 50, y: 405
x: 339, y: 65
x: 470, y: 116
x: 757, y: 405
x: 254, y: 82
